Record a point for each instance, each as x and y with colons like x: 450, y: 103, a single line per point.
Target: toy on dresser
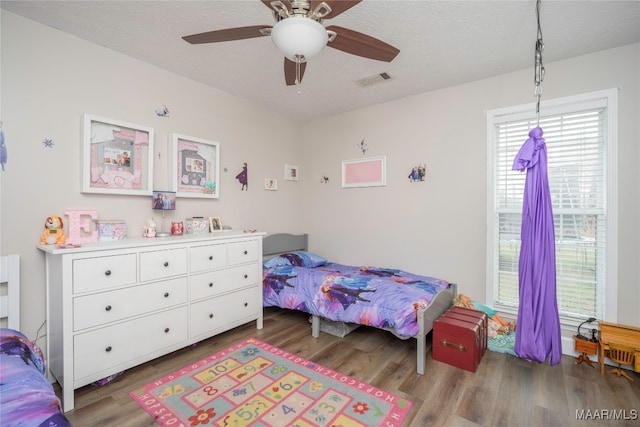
x: 150, y: 228
x: 52, y: 233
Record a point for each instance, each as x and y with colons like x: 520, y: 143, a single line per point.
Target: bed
x: 27, y: 398
x: 403, y: 303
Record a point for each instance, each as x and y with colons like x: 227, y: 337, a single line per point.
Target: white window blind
x: 577, y: 138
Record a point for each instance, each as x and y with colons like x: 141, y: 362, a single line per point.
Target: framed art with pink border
x: 117, y: 157
x: 195, y: 167
x: 365, y: 172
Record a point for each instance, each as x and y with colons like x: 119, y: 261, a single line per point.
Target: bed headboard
x: 274, y: 244
x: 10, y: 291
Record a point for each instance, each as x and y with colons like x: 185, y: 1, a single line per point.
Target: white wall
x: 438, y: 227
x: 49, y: 79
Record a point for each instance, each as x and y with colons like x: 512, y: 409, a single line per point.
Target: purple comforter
x: 379, y: 297
x: 27, y: 396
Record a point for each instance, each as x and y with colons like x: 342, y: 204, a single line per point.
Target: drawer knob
x: 245, y: 276
x: 246, y: 304
x: 107, y: 273
x: 166, y: 330
x: 211, y: 285
x: 211, y: 316
x: 166, y: 294
x: 108, y: 349
x: 246, y: 252
x: 210, y: 257
x: 108, y: 308
x: 166, y: 264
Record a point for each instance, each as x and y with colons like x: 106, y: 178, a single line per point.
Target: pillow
x: 297, y: 258
x: 276, y: 261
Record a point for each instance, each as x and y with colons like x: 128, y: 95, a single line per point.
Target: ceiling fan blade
x: 290, y: 71
x: 228, y: 34
x: 359, y: 44
x: 337, y: 6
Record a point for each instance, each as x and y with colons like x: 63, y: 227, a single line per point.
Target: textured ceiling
x: 442, y: 43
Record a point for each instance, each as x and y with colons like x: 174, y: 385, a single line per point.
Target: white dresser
x: 115, y: 305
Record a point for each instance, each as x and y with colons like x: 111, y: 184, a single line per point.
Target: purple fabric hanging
x: 538, y: 328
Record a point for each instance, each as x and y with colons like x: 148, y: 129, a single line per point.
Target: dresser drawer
x: 223, y: 281
x: 221, y: 313
x: 244, y: 251
x: 92, y: 274
x: 99, y: 309
x: 107, y: 348
x: 208, y: 257
x: 163, y: 264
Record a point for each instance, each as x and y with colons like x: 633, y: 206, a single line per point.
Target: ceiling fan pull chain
x: 299, y: 61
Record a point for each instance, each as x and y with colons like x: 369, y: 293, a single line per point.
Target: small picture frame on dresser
x: 215, y: 224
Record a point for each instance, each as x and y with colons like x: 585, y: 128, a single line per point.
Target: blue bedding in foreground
x: 380, y: 297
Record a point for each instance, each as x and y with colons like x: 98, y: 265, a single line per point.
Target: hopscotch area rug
x: 256, y: 384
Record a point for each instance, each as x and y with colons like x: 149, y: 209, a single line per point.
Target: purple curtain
x: 538, y: 327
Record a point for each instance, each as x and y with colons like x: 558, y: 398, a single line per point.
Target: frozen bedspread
x: 380, y: 297
x: 27, y: 396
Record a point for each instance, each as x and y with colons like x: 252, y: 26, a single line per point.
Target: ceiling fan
x: 299, y: 34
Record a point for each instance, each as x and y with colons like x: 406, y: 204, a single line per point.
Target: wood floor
x: 504, y: 391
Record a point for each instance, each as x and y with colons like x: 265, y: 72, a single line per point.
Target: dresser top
x: 135, y: 242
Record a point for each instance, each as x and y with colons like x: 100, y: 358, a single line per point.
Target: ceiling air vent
x: 373, y: 79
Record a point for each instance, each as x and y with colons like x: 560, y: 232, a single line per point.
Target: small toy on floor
x: 497, y: 325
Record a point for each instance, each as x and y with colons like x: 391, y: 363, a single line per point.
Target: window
x: 581, y: 138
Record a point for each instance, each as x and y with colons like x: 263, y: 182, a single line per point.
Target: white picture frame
x: 117, y: 157
x: 291, y: 173
x: 215, y: 224
x: 270, y: 184
x: 364, y: 172
x: 195, y: 167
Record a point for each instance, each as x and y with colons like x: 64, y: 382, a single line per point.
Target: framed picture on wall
x: 195, y: 167
x: 117, y: 157
x: 291, y: 173
x: 270, y: 184
x: 365, y: 172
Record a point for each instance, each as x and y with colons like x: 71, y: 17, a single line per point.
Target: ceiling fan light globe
x: 299, y: 38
